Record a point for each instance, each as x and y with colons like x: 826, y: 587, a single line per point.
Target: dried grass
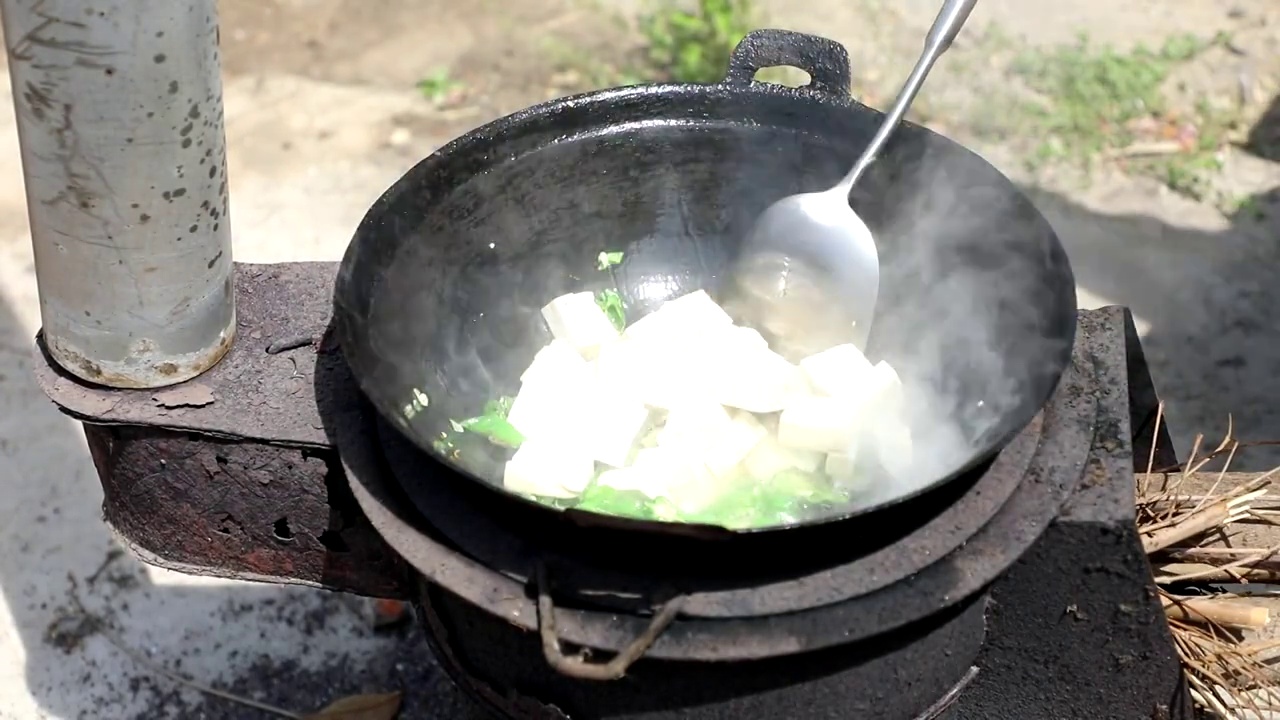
x: 1228, y: 677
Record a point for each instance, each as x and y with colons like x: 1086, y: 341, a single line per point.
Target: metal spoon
x: 822, y: 226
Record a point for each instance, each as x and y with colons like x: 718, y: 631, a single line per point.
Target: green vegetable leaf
x: 611, y: 303
x: 802, y: 486
x: 495, y: 428
x: 785, y: 498
x: 500, y: 407
x: 492, y: 424
x: 621, y: 503
x: 606, y: 260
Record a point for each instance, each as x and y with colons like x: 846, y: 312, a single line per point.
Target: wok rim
x: 348, y: 323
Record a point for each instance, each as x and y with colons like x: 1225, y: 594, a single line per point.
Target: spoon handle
x: 946, y: 26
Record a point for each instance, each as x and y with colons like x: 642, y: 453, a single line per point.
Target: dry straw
x: 1188, y: 539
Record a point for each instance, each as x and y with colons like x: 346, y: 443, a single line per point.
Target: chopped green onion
x: 611, y: 501
x: 611, y: 303
x: 606, y: 260
x: 492, y: 424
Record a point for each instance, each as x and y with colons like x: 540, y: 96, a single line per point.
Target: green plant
x: 439, y: 86
x: 1093, y: 95
x: 694, y: 46
x: 1098, y: 102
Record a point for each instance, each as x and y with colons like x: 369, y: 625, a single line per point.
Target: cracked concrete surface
x: 321, y: 117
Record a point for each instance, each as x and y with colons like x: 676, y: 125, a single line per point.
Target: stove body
x: 237, y: 474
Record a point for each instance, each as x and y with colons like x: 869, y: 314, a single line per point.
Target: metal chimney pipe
x: 119, y: 110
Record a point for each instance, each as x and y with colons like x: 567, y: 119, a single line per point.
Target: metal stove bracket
x: 233, y: 474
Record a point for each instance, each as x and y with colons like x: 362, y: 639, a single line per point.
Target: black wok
x: 439, y: 292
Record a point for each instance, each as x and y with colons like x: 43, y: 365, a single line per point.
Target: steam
x: 963, y: 313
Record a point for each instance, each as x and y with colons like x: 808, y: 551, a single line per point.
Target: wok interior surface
x: 442, y: 286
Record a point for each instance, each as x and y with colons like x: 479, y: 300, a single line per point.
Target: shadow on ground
x: 1212, y: 304
x: 1264, y: 137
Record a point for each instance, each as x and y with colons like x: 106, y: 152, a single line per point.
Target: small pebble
x: 400, y: 137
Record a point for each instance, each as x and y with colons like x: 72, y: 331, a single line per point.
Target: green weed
x: 1098, y: 102
x: 694, y: 46
x: 439, y: 87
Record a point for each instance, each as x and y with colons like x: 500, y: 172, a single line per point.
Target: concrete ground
x: 322, y: 115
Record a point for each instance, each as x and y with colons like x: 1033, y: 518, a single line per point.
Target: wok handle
x: 826, y: 61
x: 577, y: 667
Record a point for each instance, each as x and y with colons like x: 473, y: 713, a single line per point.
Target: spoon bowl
x: 810, y: 236
x: 820, y: 231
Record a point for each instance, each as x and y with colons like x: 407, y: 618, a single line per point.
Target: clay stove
x: 1021, y: 592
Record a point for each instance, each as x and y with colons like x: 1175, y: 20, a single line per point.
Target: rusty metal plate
x: 251, y: 393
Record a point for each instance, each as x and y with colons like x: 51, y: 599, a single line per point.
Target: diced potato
x: 769, y: 458
x: 555, y: 394
x: 656, y: 373
x: 621, y: 369
x: 634, y: 479
x: 840, y: 371
x: 693, y: 424
x: 614, y: 428
x: 699, y: 493
x: 759, y: 381
x: 739, y: 438
x: 885, y: 388
x: 666, y: 470
x: 839, y: 466
x: 576, y: 319
x: 671, y: 375
x: 682, y: 317
x: 557, y: 359
x: 697, y: 309
x: 688, y: 483
x: 549, y: 469
x: 750, y: 338
x: 821, y: 424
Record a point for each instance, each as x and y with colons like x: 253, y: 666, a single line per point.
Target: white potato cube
x: 749, y: 338
x: 769, y: 458
x: 840, y: 371
x: 655, y: 372
x: 683, y: 317
x: 759, y: 380
x: 667, y: 470
x: 885, y: 388
x: 555, y: 394
x: 576, y: 319
x: 688, y: 483
x: 672, y: 374
x: 633, y: 479
x: 614, y: 427
x: 697, y: 309
x: 548, y: 469
x: 557, y: 359
x: 618, y: 365
x: 694, y: 424
x: 723, y: 455
x: 821, y: 424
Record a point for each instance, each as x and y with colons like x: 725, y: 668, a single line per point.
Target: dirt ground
x: 1197, y: 271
